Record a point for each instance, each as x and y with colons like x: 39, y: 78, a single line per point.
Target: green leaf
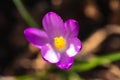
x: 74, y: 76
x: 92, y: 63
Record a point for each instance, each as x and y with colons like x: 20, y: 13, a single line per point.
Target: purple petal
x: 53, y: 24
x: 36, y: 36
x: 72, y: 27
x: 49, y: 54
x: 74, y: 47
x: 65, y: 62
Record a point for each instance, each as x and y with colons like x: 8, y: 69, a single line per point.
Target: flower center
x: 59, y: 43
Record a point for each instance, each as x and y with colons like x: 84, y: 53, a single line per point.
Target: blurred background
x: 99, y: 22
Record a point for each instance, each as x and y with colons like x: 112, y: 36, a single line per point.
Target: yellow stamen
x: 59, y: 43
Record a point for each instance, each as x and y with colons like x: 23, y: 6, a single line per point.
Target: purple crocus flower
x: 58, y: 42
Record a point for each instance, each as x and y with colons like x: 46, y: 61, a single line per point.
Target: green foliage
x: 100, y: 60
x: 72, y: 74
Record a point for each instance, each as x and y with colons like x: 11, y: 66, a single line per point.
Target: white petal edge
x: 51, y: 56
x: 71, y: 50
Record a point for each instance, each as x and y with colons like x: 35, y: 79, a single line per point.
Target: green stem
x: 96, y: 62
x: 26, y: 16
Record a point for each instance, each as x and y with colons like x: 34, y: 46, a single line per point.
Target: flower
x: 58, y: 41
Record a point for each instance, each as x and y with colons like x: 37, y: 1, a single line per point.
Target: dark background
x: 92, y: 16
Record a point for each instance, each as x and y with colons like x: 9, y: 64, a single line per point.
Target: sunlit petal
x: 49, y: 54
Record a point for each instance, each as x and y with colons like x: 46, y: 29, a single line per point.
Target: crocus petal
x: 49, y: 54
x: 53, y: 24
x: 72, y: 28
x: 74, y: 47
x: 36, y: 36
x: 65, y: 62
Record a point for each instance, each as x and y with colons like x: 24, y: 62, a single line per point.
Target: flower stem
x: 24, y: 13
x: 94, y: 62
